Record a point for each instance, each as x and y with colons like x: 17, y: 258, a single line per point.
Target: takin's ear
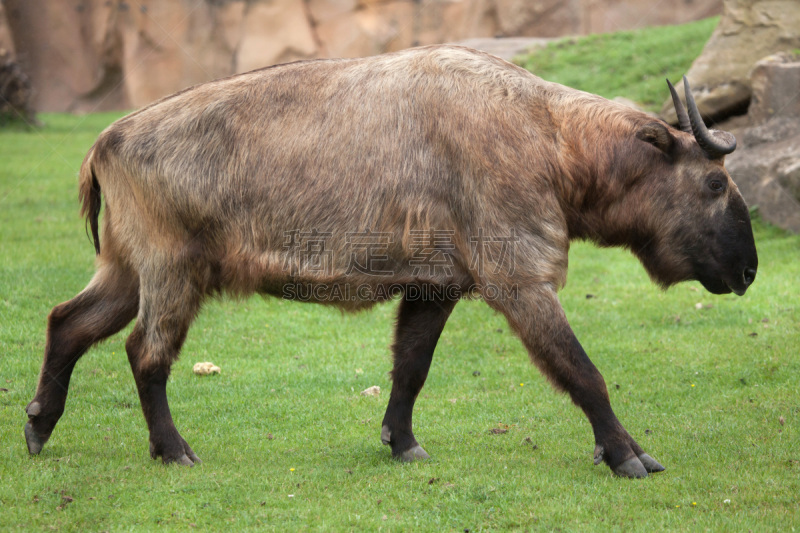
x: 658, y: 135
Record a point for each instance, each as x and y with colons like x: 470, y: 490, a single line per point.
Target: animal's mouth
x: 716, y: 286
x: 742, y: 280
x: 739, y: 291
x: 729, y: 284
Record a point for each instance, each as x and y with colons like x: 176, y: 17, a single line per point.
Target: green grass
x: 695, y: 387
x: 632, y: 64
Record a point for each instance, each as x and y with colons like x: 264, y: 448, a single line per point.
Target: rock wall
x: 748, y: 31
x: 86, y: 55
x: 766, y: 166
x: 751, y: 65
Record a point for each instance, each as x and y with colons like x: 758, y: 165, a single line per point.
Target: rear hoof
x: 650, y: 464
x: 35, y: 442
x: 632, y: 468
x: 414, y: 454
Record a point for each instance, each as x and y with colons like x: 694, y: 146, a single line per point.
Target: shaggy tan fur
x: 306, y: 179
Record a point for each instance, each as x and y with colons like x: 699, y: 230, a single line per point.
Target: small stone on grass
x: 206, y: 369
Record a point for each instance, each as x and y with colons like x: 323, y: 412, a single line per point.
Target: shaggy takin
x: 427, y: 175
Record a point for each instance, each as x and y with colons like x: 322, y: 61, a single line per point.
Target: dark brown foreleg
x: 419, y: 324
x: 104, y: 307
x: 169, y: 303
x: 538, y: 318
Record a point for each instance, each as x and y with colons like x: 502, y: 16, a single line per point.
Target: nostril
x: 749, y: 275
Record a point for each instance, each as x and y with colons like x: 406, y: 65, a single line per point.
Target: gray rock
x: 775, y: 82
x: 768, y: 175
x: 767, y: 165
x: 748, y: 31
x: 775, y: 130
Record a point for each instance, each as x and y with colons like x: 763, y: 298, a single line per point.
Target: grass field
x: 707, y: 384
x: 632, y: 64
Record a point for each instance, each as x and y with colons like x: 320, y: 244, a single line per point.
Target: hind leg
x: 419, y: 324
x: 169, y: 303
x: 104, y: 307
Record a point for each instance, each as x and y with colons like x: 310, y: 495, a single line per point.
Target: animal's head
x: 689, y: 220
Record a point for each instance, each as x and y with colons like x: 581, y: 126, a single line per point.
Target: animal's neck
x: 598, y: 199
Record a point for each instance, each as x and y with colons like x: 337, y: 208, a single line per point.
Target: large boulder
x: 766, y: 166
x: 775, y: 81
x: 747, y: 31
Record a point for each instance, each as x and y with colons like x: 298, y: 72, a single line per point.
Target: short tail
x: 89, y: 195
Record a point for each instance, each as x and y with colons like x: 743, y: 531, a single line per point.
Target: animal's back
x: 375, y: 144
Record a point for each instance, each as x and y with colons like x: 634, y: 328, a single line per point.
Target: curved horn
x: 683, y: 118
x: 715, y: 144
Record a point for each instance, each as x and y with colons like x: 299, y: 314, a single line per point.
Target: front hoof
x: 183, y: 460
x: 33, y: 440
x: 650, y: 464
x: 632, y: 468
x: 414, y: 454
x: 181, y: 455
x: 39, y: 426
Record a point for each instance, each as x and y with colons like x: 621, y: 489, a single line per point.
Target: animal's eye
x: 716, y: 185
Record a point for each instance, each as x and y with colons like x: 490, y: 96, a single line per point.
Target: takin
x: 426, y: 175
